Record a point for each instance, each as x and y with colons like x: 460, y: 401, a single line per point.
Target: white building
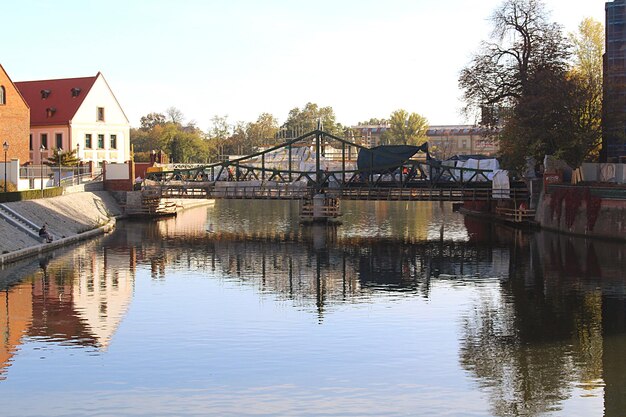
x: 76, y: 114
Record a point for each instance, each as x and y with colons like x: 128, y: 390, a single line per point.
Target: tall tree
x: 263, y: 131
x: 587, y: 74
x: 174, y: 115
x: 522, y: 42
x: 522, y: 78
x: 301, y: 121
x: 406, y: 129
x: 151, y: 120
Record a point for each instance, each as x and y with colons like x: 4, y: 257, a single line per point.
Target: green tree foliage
x: 301, y: 121
x: 151, y: 120
x: 263, y: 131
x: 587, y: 74
x: 522, y: 81
x: 63, y: 158
x: 184, y: 144
x: 405, y: 129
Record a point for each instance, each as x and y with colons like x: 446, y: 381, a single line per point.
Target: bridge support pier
x: 319, y: 208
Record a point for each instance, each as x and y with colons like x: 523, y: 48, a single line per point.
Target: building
x: 14, y: 120
x: 614, y: 101
x: 76, y: 114
x: 444, y: 141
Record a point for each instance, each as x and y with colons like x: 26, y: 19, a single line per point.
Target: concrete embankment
x: 68, y: 218
x: 586, y: 211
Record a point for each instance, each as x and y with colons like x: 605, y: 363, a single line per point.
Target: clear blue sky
x: 241, y: 58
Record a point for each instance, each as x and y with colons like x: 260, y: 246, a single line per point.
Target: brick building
x: 14, y: 120
x: 614, y: 102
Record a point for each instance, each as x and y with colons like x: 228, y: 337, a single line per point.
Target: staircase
x: 19, y: 222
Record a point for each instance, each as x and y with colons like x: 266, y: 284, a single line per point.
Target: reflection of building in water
x: 15, y: 317
x: 78, y: 298
x: 102, y: 291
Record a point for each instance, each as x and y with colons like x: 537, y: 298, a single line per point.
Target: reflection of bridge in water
x: 321, y: 163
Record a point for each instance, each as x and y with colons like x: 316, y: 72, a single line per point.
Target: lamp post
x: 5, y: 146
x: 41, y: 149
x: 60, y: 154
x: 78, y: 163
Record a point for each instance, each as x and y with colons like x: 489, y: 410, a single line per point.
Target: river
x: 237, y: 309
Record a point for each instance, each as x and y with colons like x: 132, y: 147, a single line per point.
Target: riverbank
x: 68, y: 218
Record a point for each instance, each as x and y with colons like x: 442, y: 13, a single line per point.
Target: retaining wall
x: 68, y: 218
x: 586, y: 211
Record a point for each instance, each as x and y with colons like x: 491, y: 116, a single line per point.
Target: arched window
x: 3, y: 95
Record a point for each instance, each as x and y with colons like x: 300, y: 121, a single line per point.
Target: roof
x: 55, y: 102
x: 16, y: 89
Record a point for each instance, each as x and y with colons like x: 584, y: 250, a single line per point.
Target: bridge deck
x: 209, y: 191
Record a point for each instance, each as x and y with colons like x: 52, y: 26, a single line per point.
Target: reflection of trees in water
x: 543, y: 333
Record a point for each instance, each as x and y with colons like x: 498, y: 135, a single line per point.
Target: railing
x: 285, y: 192
x: 517, y: 215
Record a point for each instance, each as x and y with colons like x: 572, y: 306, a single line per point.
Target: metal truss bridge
x: 321, y: 163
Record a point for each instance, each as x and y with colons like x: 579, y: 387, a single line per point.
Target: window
x: 100, y: 114
x: 30, y: 142
x: 3, y: 95
x: 88, y: 141
x: 59, y: 140
x: 100, y: 141
x: 44, y: 140
x: 113, y: 142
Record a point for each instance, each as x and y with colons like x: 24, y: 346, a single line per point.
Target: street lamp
x: 5, y: 146
x: 41, y: 149
x: 78, y: 163
x: 60, y: 154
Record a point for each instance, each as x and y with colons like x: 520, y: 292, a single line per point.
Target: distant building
x: 444, y: 141
x: 76, y: 114
x: 614, y: 103
x: 14, y: 120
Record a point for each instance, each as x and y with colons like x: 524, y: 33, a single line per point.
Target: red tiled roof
x: 59, y: 107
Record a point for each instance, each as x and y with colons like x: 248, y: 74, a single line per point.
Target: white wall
x: 117, y: 172
x: 115, y: 123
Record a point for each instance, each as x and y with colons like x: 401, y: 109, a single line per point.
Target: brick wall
x: 14, y: 121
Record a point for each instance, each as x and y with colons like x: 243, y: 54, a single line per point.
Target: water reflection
x: 540, y: 318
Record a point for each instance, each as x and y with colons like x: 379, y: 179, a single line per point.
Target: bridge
x: 319, y: 163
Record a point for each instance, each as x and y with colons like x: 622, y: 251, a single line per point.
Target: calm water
x: 237, y: 310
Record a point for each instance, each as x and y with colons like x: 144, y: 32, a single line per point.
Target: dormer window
x: 45, y: 94
x: 100, y: 114
x: 76, y: 91
x: 50, y: 111
x: 3, y: 95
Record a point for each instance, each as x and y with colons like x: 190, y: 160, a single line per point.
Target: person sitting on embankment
x: 43, y: 233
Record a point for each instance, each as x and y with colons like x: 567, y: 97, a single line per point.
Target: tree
x: 63, y: 158
x: 151, y: 120
x: 587, y: 73
x: 263, y: 131
x: 306, y: 120
x: 523, y: 41
x: 174, y: 115
x: 405, y: 129
x: 184, y: 144
x: 524, y: 78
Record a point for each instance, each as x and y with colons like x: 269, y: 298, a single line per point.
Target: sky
x: 241, y: 58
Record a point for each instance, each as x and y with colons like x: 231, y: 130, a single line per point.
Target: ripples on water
x: 237, y: 309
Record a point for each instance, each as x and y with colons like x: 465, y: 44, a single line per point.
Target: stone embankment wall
x: 582, y: 211
x: 66, y: 217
